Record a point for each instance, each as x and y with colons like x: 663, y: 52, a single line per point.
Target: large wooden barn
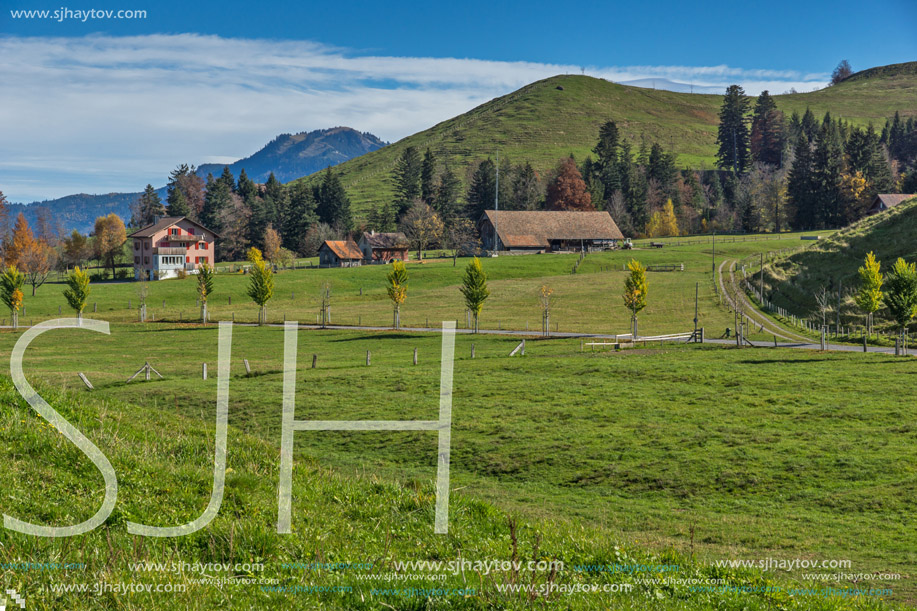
x: 548, y: 230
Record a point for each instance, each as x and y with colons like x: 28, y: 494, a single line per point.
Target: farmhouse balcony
x: 184, y: 238
x: 163, y: 250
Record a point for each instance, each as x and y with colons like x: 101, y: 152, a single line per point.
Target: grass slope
x: 594, y: 475
x: 541, y: 123
x: 793, y: 281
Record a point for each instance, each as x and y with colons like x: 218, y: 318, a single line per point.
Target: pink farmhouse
x: 169, y: 245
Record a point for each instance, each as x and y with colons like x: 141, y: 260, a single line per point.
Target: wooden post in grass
x: 865, y: 349
x: 230, y: 300
x: 369, y: 357
x: 203, y: 371
x: 58, y: 310
x: 248, y: 368
x: 95, y: 306
x: 314, y: 360
x: 472, y: 350
x: 86, y: 381
x: 415, y: 356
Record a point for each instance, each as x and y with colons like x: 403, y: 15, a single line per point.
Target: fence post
x: 415, y: 356
x: 314, y: 360
x: 204, y: 371
x: 472, y: 350
x: 368, y: 358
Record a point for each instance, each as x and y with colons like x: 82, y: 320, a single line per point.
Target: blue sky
x: 111, y: 104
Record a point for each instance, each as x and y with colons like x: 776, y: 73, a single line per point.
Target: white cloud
x: 101, y: 114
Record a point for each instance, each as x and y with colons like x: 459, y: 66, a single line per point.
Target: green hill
x: 793, y: 281
x: 560, y: 115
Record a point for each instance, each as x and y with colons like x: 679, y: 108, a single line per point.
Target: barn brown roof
x: 389, y: 241
x: 343, y: 249
x: 889, y: 200
x: 535, y: 228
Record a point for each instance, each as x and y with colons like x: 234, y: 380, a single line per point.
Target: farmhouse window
x: 136, y: 259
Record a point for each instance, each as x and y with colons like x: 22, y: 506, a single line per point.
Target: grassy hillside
x: 793, y: 281
x: 561, y: 115
x: 557, y: 440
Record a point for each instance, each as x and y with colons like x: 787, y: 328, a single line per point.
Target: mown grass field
x: 561, y: 115
x: 589, y: 301
x: 688, y: 453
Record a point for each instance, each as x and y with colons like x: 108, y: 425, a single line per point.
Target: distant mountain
x: 667, y: 85
x: 292, y: 156
x: 289, y: 156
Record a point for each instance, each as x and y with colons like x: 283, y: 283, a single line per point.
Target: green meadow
x: 588, y: 301
x: 681, y: 454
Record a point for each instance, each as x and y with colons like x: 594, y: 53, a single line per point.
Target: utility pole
x: 762, y: 280
x: 714, y: 255
x: 497, y: 205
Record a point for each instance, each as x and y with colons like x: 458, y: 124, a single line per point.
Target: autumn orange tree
x: 568, y: 190
x: 110, y: 236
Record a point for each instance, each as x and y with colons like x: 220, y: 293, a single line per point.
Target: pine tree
x: 332, y: 203
x: 801, y: 185
x: 228, y: 179
x: 406, y: 179
x: 809, y: 125
x: 827, y: 167
x: 428, y: 178
x: 178, y: 204
x: 217, y: 197
x: 606, y: 149
x: 482, y: 191
x: 246, y: 188
x: 768, y: 132
x: 447, y: 192
x: 149, y: 207
x: 277, y: 200
x: 661, y: 168
x: 733, y: 133
x: 525, y: 187
x: 474, y: 289
x: 301, y: 216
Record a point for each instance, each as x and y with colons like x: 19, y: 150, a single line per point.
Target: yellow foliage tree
x: 635, y: 291
x: 663, y: 223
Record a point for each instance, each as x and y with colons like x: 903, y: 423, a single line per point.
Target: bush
x: 124, y: 273
x: 182, y: 274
